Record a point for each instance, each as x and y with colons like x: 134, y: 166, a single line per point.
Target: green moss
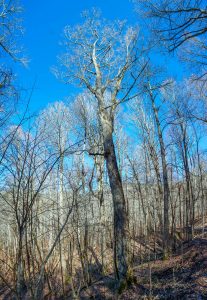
x: 130, y: 279
x: 165, y: 256
x: 127, y: 282
x: 68, y: 279
x: 122, y: 286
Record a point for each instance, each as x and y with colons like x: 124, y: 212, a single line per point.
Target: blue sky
x: 43, y: 22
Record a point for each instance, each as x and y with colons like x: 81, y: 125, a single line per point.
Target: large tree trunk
x: 106, y: 122
x: 120, y: 214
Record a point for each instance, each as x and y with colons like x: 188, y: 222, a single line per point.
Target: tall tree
x: 101, y: 56
x: 166, y: 190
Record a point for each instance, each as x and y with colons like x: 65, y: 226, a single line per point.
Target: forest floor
x: 183, y: 276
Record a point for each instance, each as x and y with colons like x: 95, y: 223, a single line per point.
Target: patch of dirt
x: 183, y: 276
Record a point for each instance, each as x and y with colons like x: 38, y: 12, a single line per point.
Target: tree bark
x: 119, y: 205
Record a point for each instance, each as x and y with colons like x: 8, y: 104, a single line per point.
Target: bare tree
x: 10, y: 50
x: 101, y: 56
x: 180, y: 24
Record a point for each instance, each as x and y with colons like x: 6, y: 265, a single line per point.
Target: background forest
x: 103, y: 193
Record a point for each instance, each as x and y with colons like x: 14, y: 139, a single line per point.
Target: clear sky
x: 43, y: 23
